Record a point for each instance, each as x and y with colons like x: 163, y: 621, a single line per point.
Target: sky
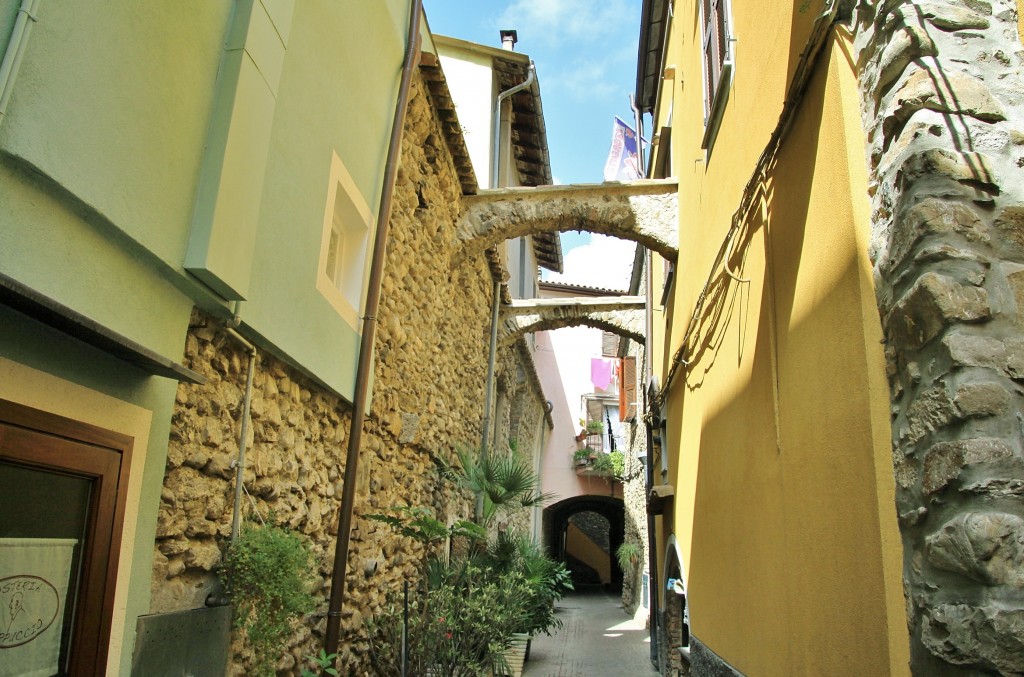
x: 585, y: 53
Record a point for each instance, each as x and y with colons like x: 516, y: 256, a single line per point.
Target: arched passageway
x: 573, y: 531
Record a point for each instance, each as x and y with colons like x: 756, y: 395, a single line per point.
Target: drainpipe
x: 496, y: 300
x: 539, y: 467
x: 412, y: 49
x: 15, y: 50
x: 239, y: 463
x: 496, y: 132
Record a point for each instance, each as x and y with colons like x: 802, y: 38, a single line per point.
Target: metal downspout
x: 496, y: 132
x: 239, y: 463
x: 15, y: 50
x: 496, y: 301
x: 369, y: 333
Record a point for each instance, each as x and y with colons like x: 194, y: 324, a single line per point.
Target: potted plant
x: 581, y: 456
x: 595, y: 427
x: 547, y: 581
x: 267, y: 574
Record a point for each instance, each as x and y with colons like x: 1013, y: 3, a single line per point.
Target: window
x: 344, y: 247
x: 717, y: 42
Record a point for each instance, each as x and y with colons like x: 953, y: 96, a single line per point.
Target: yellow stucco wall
x: 778, y: 433
x: 1020, y: 24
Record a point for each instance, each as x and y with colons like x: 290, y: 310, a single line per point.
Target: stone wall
x: 634, y: 498
x: 431, y: 361
x: 942, y: 94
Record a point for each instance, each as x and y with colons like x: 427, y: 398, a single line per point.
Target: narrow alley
x: 598, y: 639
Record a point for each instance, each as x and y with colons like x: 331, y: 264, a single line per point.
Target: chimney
x: 509, y: 38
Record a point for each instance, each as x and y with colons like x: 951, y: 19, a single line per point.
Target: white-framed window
x: 344, y: 247
x: 717, y: 45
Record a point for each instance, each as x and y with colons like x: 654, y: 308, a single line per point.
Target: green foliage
x: 461, y: 619
x: 613, y: 464
x: 505, y: 483
x: 595, y: 427
x: 325, y: 664
x: 421, y: 525
x: 618, y: 460
x: 581, y: 455
x: 268, y: 575
x: 547, y: 580
x: 628, y: 554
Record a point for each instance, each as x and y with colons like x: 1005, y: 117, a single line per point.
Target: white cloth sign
x: 34, y: 576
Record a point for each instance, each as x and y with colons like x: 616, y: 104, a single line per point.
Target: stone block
x: 951, y: 93
x: 905, y: 46
x: 933, y: 217
x: 950, y: 16
x: 944, y: 461
x: 967, y: 349
x: 934, y: 302
x: 1009, y: 224
x: 974, y: 400
x: 985, y: 637
x: 984, y: 546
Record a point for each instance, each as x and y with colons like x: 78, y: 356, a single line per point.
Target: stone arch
x: 641, y: 211
x: 556, y: 520
x: 621, y: 315
x: 625, y: 323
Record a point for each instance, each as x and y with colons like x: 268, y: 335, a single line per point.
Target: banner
x: 34, y: 575
x: 623, y: 158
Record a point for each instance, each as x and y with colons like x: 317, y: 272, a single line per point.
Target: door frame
x: 106, y: 458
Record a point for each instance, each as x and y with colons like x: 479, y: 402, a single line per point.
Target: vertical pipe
x: 496, y: 299
x: 244, y: 435
x: 369, y: 333
x: 15, y: 50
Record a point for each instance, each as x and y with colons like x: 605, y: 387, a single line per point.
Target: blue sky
x: 585, y: 52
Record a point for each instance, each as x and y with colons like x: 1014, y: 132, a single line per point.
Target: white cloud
x: 558, y: 20
x: 606, y: 262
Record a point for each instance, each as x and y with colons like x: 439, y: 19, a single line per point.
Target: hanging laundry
x: 600, y: 372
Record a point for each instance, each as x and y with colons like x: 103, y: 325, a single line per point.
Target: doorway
x: 62, y: 502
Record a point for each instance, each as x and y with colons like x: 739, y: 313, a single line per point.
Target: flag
x: 623, y: 158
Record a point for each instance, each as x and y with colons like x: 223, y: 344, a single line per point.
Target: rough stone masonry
x: 429, y: 375
x: 942, y: 86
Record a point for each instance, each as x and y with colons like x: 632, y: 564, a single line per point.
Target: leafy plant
x: 505, y: 483
x: 595, y: 427
x: 628, y: 554
x: 618, y: 460
x: 421, y: 525
x: 581, y: 456
x: 612, y: 464
x: 603, y: 463
x: 460, y: 621
x: 267, y: 574
x: 546, y: 579
x: 324, y: 662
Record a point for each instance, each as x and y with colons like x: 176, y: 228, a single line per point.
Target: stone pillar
x: 942, y: 86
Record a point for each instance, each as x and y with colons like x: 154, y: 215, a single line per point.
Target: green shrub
x: 628, y: 554
x: 461, y: 619
x: 268, y: 575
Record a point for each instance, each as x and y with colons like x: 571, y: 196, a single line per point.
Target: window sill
x: 714, y: 120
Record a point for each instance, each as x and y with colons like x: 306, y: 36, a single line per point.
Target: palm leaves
x: 505, y: 483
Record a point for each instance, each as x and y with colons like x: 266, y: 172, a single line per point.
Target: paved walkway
x: 598, y: 640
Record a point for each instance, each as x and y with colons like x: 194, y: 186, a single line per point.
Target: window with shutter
x: 718, y: 64
x: 627, y: 390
